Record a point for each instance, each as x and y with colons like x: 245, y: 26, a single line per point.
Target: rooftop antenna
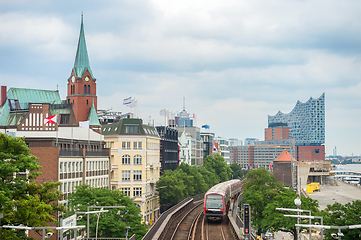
x: 184, y: 103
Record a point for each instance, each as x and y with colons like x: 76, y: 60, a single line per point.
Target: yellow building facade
x: 135, y: 165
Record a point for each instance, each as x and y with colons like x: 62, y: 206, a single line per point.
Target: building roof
x: 26, y: 96
x: 11, y: 114
x: 285, y: 156
x: 119, y: 128
x: 93, y: 117
x: 81, y: 63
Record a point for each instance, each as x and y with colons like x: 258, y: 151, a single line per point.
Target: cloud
x: 235, y: 62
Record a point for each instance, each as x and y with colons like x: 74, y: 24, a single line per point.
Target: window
x: 69, y: 170
x: 135, y: 145
x: 65, y: 167
x: 131, y: 129
x: 139, y: 145
x: 125, y: 145
x: 61, y: 167
x: 88, y: 89
x: 64, y: 118
x: 126, y: 159
x: 137, y: 191
x: 14, y: 104
x: 137, y: 176
x: 126, y: 191
x: 126, y: 175
x: 317, y: 150
x: 138, y: 159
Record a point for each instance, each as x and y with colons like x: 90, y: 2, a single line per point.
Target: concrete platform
x: 343, y: 193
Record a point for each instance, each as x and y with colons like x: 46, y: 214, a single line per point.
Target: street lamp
x: 45, y: 235
x: 126, y: 232
x: 96, y: 231
x: 88, y: 212
x: 309, y: 217
x: 298, y: 203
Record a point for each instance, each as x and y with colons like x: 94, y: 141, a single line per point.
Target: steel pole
x: 87, y: 231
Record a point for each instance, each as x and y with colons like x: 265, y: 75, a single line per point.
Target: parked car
x: 268, y: 236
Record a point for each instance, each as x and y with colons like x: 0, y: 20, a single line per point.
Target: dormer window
x: 131, y: 129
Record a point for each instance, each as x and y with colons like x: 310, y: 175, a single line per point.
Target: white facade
x: 223, y: 146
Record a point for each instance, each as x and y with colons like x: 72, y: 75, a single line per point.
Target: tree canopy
x: 265, y: 194
x: 112, y: 223
x: 216, y: 163
x: 236, y: 171
x: 343, y: 215
x: 187, y: 181
x: 24, y: 201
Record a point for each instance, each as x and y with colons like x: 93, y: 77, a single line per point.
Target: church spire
x: 81, y: 63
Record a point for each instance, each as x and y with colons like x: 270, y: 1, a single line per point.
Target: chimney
x: 3, y: 96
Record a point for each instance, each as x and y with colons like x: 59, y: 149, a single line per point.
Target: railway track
x: 192, y: 225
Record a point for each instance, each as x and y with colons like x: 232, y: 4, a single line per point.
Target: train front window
x: 214, y: 201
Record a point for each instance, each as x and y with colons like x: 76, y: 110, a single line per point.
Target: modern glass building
x: 306, y: 122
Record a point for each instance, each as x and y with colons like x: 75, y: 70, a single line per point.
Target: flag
x: 51, y: 119
x: 130, y: 102
x: 205, y: 126
x: 134, y: 103
x: 84, y: 124
x: 193, y: 116
x: 164, y: 112
x: 127, y: 100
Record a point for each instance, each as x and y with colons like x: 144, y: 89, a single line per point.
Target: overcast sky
x: 234, y: 61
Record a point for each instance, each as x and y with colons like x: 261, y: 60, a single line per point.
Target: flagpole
x: 57, y: 133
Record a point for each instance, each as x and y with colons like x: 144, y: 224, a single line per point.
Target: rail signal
x: 247, y: 218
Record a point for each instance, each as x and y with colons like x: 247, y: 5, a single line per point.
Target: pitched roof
x: 93, y: 117
x: 23, y: 97
x: 119, y: 128
x: 285, y: 156
x: 81, y: 63
x: 26, y: 96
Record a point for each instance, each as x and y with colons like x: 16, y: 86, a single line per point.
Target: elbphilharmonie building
x: 306, y: 122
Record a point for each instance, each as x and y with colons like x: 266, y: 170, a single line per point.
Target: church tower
x: 81, y: 92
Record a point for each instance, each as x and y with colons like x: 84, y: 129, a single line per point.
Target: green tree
x: 274, y: 219
x: 24, y: 201
x: 236, y: 171
x: 343, y: 215
x: 112, y: 223
x: 199, y: 183
x: 174, y: 186
x: 260, y: 187
x: 210, y: 177
x: 216, y: 163
x: 265, y: 194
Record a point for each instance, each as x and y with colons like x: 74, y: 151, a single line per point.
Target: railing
x: 79, y: 153
x: 99, y: 153
x: 70, y: 153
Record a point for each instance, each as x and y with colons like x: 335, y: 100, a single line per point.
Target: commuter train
x: 217, y: 199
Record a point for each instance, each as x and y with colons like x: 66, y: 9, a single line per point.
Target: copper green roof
x: 24, y: 97
x: 81, y: 63
x: 93, y: 117
x: 119, y: 128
